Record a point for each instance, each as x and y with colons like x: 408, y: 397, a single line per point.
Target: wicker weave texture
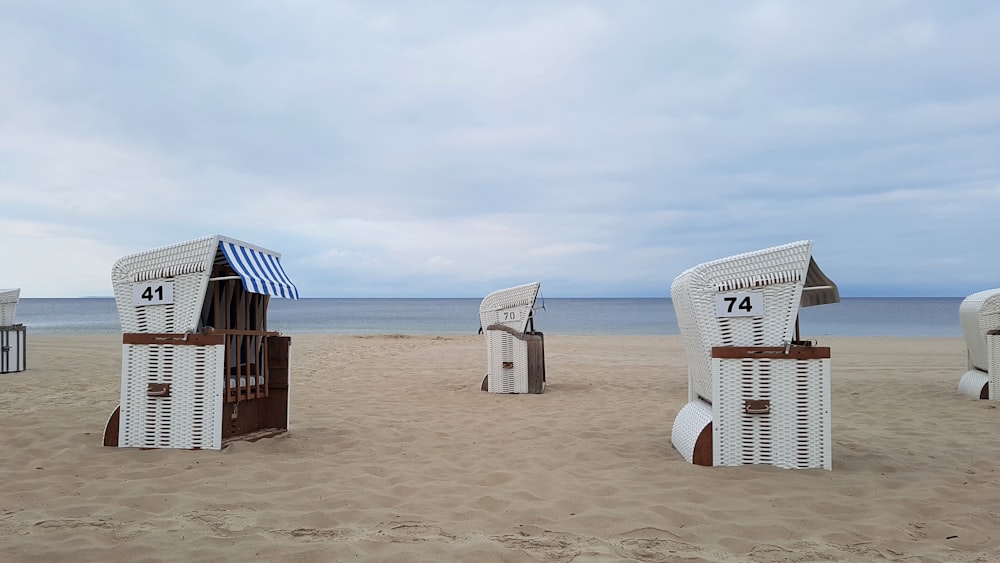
x: 187, y: 264
x: 993, y: 352
x: 794, y: 434
x: 978, y: 314
x: 191, y: 417
x: 973, y: 382
x: 778, y: 273
x: 688, y: 424
x: 510, y: 307
x: 503, y: 349
x: 8, y: 305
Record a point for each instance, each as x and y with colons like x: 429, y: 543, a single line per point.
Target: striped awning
x: 261, y: 272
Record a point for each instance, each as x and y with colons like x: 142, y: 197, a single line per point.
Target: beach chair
x: 199, y: 366
x: 8, y: 305
x: 13, y: 337
x: 757, y: 393
x: 515, y: 353
x: 979, y: 315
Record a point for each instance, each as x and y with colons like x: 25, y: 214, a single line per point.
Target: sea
x: 859, y: 316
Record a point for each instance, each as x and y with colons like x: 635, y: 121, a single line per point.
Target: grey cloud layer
x: 445, y: 148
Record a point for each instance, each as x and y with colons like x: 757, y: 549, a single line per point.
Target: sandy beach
x: 394, y: 454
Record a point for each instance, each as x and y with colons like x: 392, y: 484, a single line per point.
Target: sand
x: 394, y: 454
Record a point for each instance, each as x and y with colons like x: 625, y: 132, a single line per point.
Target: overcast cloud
x: 448, y: 149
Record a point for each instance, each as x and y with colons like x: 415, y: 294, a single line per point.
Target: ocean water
x: 647, y: 316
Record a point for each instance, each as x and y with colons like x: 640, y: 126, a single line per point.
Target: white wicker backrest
x: 188, y: 265
x: 978, y: 314
x: 776, y: 274
x: 510, y: 307
x: 188, y: 268
x: 8, y: 304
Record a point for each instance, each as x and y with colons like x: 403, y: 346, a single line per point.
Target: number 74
x: 745, y: 304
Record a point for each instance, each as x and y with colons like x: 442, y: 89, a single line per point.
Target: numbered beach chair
x: 199, y: 366
x: 13, y: 337
x: 757, y: 393
x: 515, y: 353
x: 979, y: 315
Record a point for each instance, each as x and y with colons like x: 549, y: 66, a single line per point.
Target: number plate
x: 739, y: 304
x: 158, y: 293
x: 508, y: 316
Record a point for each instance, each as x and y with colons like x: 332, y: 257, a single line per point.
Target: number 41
x: 148, y: 293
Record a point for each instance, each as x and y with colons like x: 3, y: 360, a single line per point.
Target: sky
x: 452, y: 148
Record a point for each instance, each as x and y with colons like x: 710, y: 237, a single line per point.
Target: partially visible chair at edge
x: 515, y: 353
x: 199, y: 366
x: 757, y: 393
x: 979, y: 314
x: 13, y: 337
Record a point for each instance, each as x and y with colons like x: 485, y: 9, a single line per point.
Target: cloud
x: 446, y: 148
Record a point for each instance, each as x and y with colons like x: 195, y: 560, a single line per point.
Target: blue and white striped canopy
x: 261, y: 272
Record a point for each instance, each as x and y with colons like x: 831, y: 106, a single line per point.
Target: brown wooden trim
x: 771, y: 352
x: 514, y: 333
x: 506, y: 329
x: 702, y: 454
x: 254, y: 436
x: 174, y: 339
x: 111, y: 430
x: 247, y: 332
x: 993, y: 332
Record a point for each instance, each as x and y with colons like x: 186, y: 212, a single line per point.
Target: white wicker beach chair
x: 514, y: 351
x: 8, y: 304
x: 756, y: 392
x: 13, y: 337
x: 199, y: 366
x: 979, y: 315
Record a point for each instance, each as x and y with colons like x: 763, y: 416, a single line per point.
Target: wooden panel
x: 536, y: 362
x: 264, y: 415
x: 241, y: 418
x: 276, y: 415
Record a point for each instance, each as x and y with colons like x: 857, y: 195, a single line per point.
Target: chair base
x: 975, y: 384
x: 771, y: 406
x: 191, y: 409
x: 692, y: 433
x: 13, y: 352
x: 111, y: 433
x: 516, y: 361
